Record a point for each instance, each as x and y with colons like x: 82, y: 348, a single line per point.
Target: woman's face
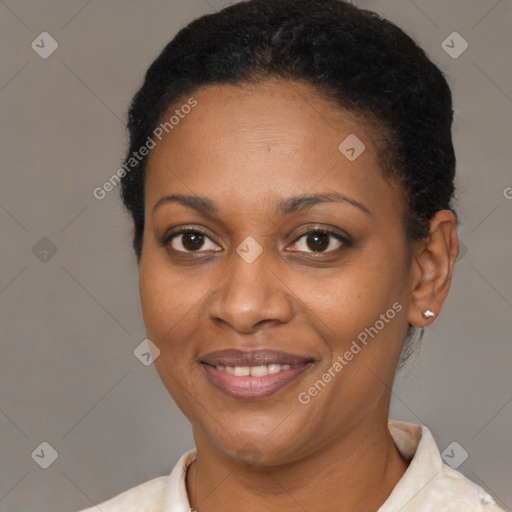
x: 259, y: 281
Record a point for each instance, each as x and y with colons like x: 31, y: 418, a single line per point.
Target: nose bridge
x: 248, y: 278
x: 250, y: 292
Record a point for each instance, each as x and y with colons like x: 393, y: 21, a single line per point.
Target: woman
x: 289, y: 175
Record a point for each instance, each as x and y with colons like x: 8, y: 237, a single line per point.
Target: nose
x: 249, y: 295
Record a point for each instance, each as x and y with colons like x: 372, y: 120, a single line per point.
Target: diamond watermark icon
x: 44, y: 45
x: 44, y: 250
x: 45, y: 455
x: 454, y: 45
x: 146, y: 352
x: 352, y: 147
x: 454, y: 455
x: 249, y: 249
x: 249, y: 453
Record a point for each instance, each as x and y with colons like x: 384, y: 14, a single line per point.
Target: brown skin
x: 245, y: 149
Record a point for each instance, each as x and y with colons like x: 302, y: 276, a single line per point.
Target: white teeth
x: 259, y: 371
x: 255, y: 371
x: 274, y: 368
x: 242, y: 371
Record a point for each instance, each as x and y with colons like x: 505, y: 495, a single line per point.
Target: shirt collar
x: 416, y: 445
x: 175, y: 497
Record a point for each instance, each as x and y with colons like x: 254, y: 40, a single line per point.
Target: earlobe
x: 432, y: 270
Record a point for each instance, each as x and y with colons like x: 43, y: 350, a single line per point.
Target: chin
x: 261, y: 447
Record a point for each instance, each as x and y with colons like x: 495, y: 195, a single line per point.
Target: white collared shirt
x: 428, y: 484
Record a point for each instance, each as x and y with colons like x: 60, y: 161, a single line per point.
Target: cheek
x: 170, y: 309
x: 360, y: 318
x: 359, y: 312
x: 169, y: 300
x: 349, y: 300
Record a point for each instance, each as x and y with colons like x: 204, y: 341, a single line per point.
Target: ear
x: 432, y: 268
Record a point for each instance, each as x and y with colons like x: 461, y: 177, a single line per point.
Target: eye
x: 320, y: 240
x: 188, y: 240
x: 313, y: 241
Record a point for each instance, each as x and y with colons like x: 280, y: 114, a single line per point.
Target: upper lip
x: 260, y: 357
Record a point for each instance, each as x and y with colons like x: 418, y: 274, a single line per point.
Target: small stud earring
x: 428, y: 314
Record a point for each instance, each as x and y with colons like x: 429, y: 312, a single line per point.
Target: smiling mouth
x: 255, y: 374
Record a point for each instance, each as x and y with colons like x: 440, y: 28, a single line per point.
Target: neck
x: 357, y: 472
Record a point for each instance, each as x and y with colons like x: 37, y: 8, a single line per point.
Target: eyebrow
x: 284, y: 207
x: 293, y: 204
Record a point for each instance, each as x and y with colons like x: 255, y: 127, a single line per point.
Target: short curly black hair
x: 362, y: 62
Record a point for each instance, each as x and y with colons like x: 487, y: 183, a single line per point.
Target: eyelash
x: 345, y: 241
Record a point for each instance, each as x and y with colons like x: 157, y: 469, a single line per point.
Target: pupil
x: 321, y: 241
x: 193, y: 241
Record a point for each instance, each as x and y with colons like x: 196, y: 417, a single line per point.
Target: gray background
x: 69, y: 325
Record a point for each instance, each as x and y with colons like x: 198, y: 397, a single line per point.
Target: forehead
x: 265, y: 140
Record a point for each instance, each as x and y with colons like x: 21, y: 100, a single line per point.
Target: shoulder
x: 429, y: 484
x: 451, y: 491
x: 145, y: 497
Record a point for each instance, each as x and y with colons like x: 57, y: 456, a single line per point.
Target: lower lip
x: 252, y: 387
